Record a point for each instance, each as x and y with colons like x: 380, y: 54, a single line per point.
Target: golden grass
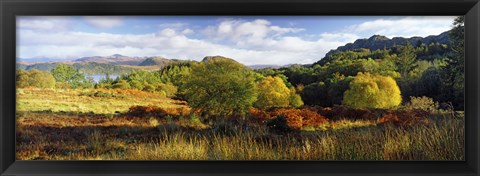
x: 140, y: 140
x: 58, y: 125
x: 69, y: 100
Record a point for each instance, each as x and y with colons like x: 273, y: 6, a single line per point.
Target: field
x: 100, y: 124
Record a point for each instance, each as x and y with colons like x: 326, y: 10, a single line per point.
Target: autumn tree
x: 220, y: 88
x: 34, y: 78
x: 272, y: 92
x: 372, y: 91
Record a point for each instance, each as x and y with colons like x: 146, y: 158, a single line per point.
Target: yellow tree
x: 272, y: 92
x: 372, y: 91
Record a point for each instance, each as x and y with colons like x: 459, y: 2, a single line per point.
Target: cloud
x: 248, y: 34
x: 405, y: 26
x: 249, y: 42
x: 44, y: 24
x: 104, y: 22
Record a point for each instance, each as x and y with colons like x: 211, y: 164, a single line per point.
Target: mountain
x: 115, y: 59
x: 376, y: 42
x: 256, y: 67
x: 151, y: 61
x: 210, y: 58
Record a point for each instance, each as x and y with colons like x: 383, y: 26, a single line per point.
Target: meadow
x: 114, y: 124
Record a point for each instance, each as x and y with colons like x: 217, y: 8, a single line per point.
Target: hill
x: 115, y: 59
x: 151, y: 61
x: 379, y: 42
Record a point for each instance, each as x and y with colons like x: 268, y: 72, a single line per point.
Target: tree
x: 122, y: 84
x: 372, y: 91
x: 71, y: 76
x: 406, y: 59
x: 220, y: 88
x: 272, y: 92
x: 295, y: 99
x: 34, y: 78
x: 453, y: 73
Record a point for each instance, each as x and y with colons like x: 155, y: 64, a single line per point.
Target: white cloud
x: 405, y: 26
x: 249, y: 42
x: 44, y: 24
x: 104, y: 21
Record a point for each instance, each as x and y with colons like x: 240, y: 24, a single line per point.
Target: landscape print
x: 240, y: 88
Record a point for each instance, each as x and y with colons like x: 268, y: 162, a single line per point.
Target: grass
x: 57, y: 130
x: 67, y: 100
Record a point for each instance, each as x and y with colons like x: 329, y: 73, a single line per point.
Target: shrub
x: 279, y: 125
x: 272, y: 92
x: 169, y: 89
x: 300, y: 118
x: 146, y: 111
x: 258, y: 116
x: 342, y: 112
x: 406, y: 117
x: 372, y: 91
x: 122, y: 84
x: 422, y: 103
x: 34, y: 78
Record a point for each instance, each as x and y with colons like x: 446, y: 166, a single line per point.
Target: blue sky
x: 250, y: 40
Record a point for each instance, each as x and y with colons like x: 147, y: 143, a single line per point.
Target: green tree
x: 272, y: 92
x: 220, y: 88
x: 406, y: 59
x: 372, y: 91
x: 71, y: 76
x: 295, y: 99
x: 122, y: 84
x: 34, y: 78
x: 453, y: 76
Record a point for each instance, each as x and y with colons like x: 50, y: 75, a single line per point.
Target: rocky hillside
x: 381, y: 42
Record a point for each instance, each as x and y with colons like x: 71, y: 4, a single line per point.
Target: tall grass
x: 443, y: 140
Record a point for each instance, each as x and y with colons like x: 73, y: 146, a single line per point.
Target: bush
x: 34, y: 78
x: 279, y: 125
x: 422, y: 103
x: 169, y: 89
x: 272, y: 92
x: 146, y: 111
x: 406, y: 118
x: 122, y: 84
x: 342, y: 112
x: 300, y: 118
x: 372, y: 91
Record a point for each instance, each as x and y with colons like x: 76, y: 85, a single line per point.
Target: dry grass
x: 68, y: 100
x: 50, y: 127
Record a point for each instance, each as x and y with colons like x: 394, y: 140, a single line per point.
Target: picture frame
x: 12, y: 8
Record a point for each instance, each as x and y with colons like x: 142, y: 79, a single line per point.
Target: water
x: 97, y: 78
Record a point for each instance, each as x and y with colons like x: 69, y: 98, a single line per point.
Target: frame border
x: 11, y: 8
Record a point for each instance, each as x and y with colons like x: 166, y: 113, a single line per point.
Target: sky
x: 251, y: 40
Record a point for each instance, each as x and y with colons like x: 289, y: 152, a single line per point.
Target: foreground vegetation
x: 167, y: 133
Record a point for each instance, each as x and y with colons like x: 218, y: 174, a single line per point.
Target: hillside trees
x: 406, y: 59
x: 220, y: 88
x: 372, y: 91
x: 453, y: 75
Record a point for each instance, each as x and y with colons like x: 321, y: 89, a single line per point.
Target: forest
x: 403, y: 102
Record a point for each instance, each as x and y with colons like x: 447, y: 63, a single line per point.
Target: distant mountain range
x: 117, y: 63
x: 115, y: 59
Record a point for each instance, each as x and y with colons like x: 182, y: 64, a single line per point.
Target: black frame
x: 10, y: 8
